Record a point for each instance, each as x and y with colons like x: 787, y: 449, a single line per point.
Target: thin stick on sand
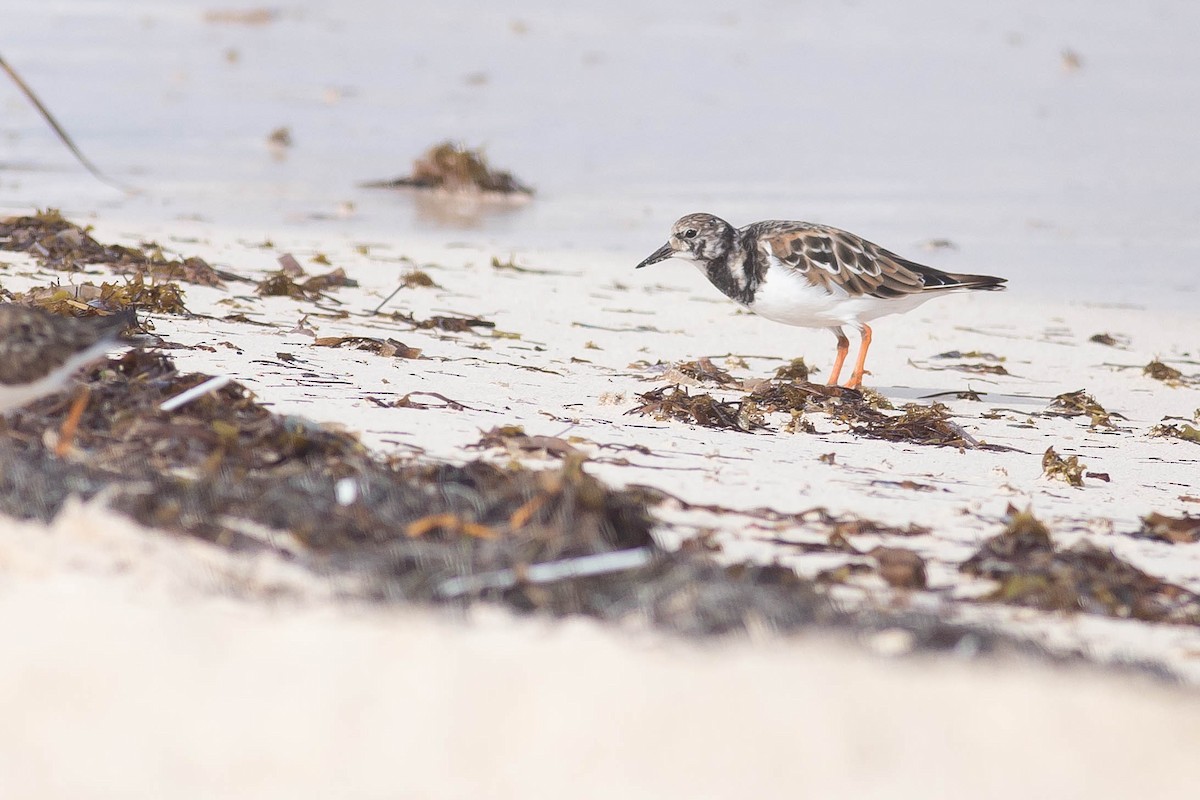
x: 58, y: 129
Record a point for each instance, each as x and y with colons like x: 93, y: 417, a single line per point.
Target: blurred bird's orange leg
x: 842, y: 350
x: 66, y: 434
x: 857, y: 376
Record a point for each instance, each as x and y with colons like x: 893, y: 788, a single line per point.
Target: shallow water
x: 931, y: 121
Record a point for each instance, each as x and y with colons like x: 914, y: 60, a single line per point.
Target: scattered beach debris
x: 939, y: 244
x: 417, y: 279
x: 1170, y: 430
x: 675, y: 403
x: 1031, y: 571
x: 975, y: 354
x: 1081, y: 404
x: 389, y: 348
x: 454, y: 168
x: 900, y: 567
x: 512, y: 266
x: 240, y: 16
x: 557, y: 541
x: 977, y: 363
x: 88, y: 299
x: 1163, y: 372
x: 794, y: 370
x: 451, y: 324
x: 1172, y: 530
x: 284, y: 283
x: 518, y: 443
x: 407, y: 402
x: 59, y: 244
x: 280, y: 139
x: 1109, y: 339
x: 704, y: 370
x: 1068, y: 470
x: 866, y: 413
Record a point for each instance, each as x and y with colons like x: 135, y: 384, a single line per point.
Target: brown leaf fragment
x: 794, y: 370
x: 1031, y: 571
x: 1162, y: 372
x: 514, y: 439
x: 289, y: 266
x: 452, y: 324
x: 1068, y: 470
x: 390, y: 348
x: 899, y: 567
x: 455, y: 168
x: 1109, y: 340
x: 674, y: 402
x: 1081, y: 404
x: 1171, y: 431
x: 703, y: 369
x: 407, y: 402
x: 1173, y: 530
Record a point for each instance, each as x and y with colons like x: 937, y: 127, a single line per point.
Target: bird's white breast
x: 787, y: 296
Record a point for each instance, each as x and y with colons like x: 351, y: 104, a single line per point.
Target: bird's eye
x: 690, y: 233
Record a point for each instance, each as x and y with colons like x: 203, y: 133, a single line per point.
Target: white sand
x: 133, y: 673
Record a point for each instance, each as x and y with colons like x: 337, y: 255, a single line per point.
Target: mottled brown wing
x: 34, y: 342
x: 832, y: 258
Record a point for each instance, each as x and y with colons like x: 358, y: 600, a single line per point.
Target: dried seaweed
x: 899, y: 567
x: 1163, y: 372
x: 703, y: 369
x: 390, y: 348
x: 1173, y: 530
x: 225, y: 469
x: 794, y: 370
x: 284, y: 283
x: 59, y: 244
x: 1080, y: 403
x: 864, y: 414
x: 444, y: 323
x: 1068, y: 470
x: 1185, y: 432
x: 514, y: 439
x: 88, y: 299
x: 1109, y: 340
x: 455, y: 168
x: 1032, y: 571
x: 674, y: 402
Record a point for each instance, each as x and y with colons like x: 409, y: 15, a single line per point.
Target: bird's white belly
x: 788, y: 297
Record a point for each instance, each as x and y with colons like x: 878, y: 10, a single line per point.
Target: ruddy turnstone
x: 814, y: 276
x: 40, y: 351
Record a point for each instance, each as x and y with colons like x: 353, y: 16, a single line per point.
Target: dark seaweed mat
x: 225, y: 458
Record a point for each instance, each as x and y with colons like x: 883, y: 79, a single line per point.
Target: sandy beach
x: 1039, y: 145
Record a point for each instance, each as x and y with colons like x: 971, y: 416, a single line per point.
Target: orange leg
x: 857, y: 376
x: 66, y: 434
x: 842, y: 350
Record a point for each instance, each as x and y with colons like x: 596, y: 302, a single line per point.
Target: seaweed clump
x: 454, y: 168
x: 224, y: 468
x: 1081, y: 404
x: 57, y: 243
x: 866, y: 414
x: 674, y: 402
x: 1169, y: 430
x: 1159, y: 371
x: 1032, y: 571
x: 1068, y: 470
x: 1172, y: 530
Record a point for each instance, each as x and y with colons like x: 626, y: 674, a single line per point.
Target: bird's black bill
x: 661, y: 254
